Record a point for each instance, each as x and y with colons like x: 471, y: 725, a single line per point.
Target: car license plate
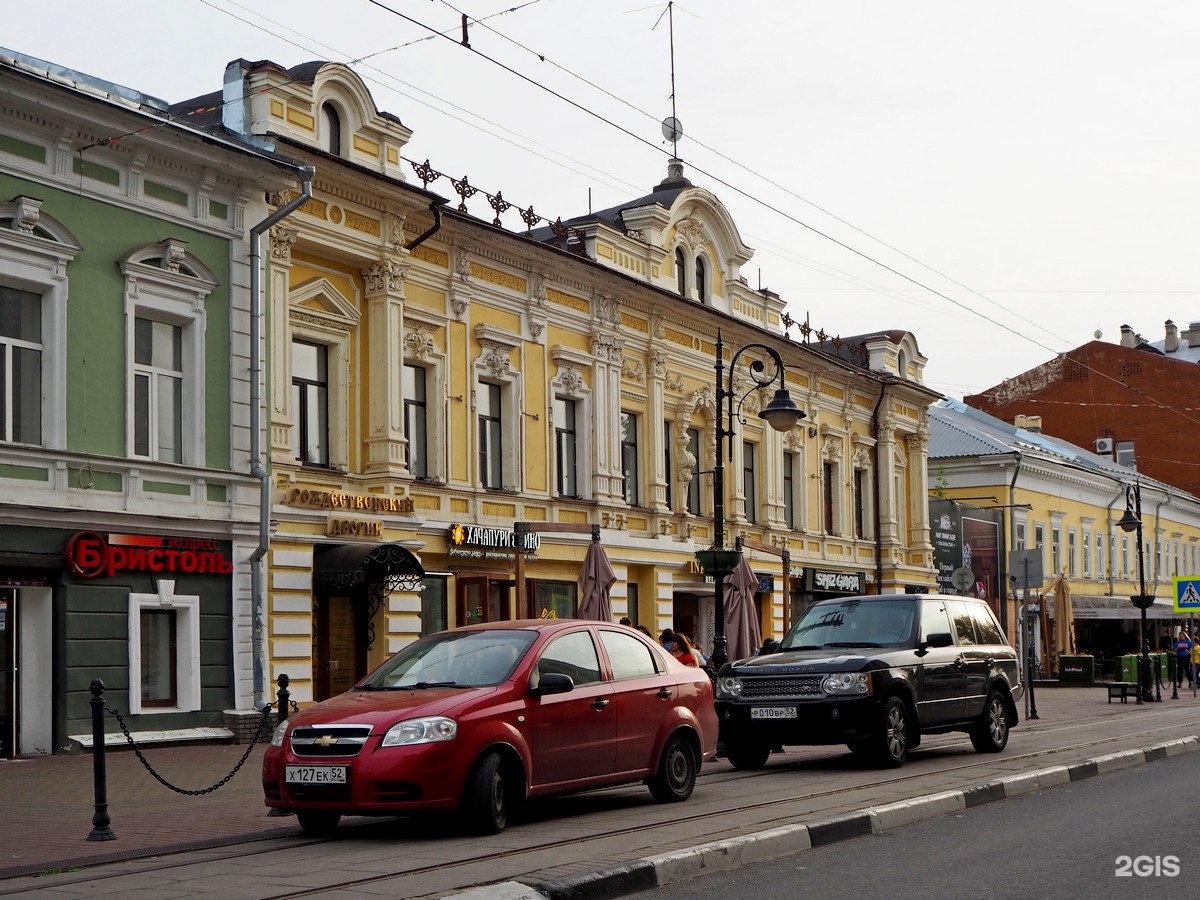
x: 315, y: 775
x: 772, y: 712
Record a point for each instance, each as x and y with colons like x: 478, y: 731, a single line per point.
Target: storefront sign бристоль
x: 93, y: 555
x: 343, y: 500
x: 483, y: 542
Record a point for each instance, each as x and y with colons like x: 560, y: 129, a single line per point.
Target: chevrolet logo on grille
x: 326, y: 740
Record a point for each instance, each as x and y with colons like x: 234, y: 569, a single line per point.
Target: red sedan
x: 480, y: 718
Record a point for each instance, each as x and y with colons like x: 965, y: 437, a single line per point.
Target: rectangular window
x: 1099, y: 566
x: 491, y: 436
x: 555, y: 599
x: 693, y: 492
x: 1124, y: 556
x: 789, y: 490
x: 433, y: 604
x: 860, y: 502
x: 1055, y: 550
x: 1072, y: 552
x: 1087, y: 558
x: 159, y: 663
x: 416, y: 421
x: 629, y: 457
x: 667, y: 462
x: 157, y: 390
x: 748, y: 477
x: 1020, y: 537
x: 565, y: 448
x: 827, y: 496
x: 310, y: 403
x: 20, y: 366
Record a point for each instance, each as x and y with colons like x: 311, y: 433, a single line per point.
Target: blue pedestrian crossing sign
x: 1187, y: 594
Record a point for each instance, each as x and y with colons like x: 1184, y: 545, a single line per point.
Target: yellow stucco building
x: 436, y: 379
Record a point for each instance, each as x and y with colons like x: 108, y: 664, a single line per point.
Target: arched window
x: 331, y: 127
x: 701, y: 280
x: 680, y: 272
x: 902, y: 364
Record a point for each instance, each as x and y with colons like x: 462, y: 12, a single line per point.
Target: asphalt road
x: 1070, y: 841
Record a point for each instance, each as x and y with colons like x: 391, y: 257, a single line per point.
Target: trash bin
x: 1076, y: 668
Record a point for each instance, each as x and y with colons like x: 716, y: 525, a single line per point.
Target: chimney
x: 1192, y: 335
x: 1171, y: 341
x: 1032, y: 424
x: 1128, y: 338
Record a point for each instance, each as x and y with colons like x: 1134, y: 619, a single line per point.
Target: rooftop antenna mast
x: 672, y: 128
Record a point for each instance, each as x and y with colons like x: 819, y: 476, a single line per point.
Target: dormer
x: 323, y: 105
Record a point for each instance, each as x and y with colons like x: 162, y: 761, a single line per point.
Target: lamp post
x: 1132, y: 521
x: 782, y: 414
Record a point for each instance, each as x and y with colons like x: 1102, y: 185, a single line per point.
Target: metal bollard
x: 100, y: 820
x: 284, y: 697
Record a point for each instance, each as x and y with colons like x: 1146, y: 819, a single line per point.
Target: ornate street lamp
x: 782, y: 414
x: 1132, y: 521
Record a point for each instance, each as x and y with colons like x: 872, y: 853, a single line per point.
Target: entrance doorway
x: 339, y: 643
x: 484, y: 598
x: 26, y: 718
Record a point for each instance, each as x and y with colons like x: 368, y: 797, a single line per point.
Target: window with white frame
x: 693, y: 492
x: 1019, y: 539
x: 165, y: 292
x: 668, y: 464
x: 789, y: 489
x: 629, y: 458
x: 1072, y: 552
x: 489, y: 409
x: 861, y: 500
x: 1086, y: 551
x: 701, y: 280
x: 20, y: 366
x: 566, y: 447
x: 331, y: 129
x: 35, y: 250
x: 310, y: 403
x: 569, y: 386
x: 1124, y: 556
x: 157, y: 390
x: 680, y: 272
x: 414, y: 389
x: 1039, y: 541
x: 828, y: 497
x: 749, y: 479
x: 1055, y: 550
x: 164, y: 651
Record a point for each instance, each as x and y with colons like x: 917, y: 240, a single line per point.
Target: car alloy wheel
x: 892, y: 739
x: 990, y: 733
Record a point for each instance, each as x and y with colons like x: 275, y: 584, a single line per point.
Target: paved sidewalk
x: 46, y: 804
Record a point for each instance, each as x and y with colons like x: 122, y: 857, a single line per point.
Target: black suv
x: 875, y: 673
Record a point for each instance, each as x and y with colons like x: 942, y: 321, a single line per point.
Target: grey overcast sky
x: 1033, y: 162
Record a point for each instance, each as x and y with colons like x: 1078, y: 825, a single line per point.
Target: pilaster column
x: 386, y: 443
x: 656, y: 436
x: 281, y: 241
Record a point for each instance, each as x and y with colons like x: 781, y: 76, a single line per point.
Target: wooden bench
x: 1121, y: 690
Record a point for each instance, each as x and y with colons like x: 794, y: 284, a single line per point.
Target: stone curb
x: 723, y: 856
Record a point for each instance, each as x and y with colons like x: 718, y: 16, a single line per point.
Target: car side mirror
x: 937, y: 639
x: 552, y: 683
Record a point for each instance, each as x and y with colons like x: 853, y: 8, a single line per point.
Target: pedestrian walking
x: 1183, y: 646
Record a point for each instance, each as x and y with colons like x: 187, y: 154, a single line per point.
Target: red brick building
x: 1122, y: 401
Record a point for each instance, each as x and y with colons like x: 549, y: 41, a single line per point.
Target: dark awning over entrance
x: 389, y: 566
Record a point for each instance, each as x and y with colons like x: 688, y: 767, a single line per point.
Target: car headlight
x: 729, y: 688
x: 847, y: 683
x: 420, y: 731
x: 278, y: 735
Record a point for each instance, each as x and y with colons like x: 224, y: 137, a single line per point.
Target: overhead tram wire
x: 763, y: 203
x: 756, y: 173
x: 718, y: 179
x: 593, y: 172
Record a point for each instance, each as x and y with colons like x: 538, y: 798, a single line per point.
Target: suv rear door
x: 976, y: 658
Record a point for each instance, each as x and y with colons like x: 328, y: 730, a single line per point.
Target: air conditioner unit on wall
x: 1104, y: 446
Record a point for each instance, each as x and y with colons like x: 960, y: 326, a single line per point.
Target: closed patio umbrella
x: 596, y: 579
x: 743, y: 636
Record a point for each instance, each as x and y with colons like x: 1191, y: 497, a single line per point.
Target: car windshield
x: 453, y: 659
x: 852, y: 623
